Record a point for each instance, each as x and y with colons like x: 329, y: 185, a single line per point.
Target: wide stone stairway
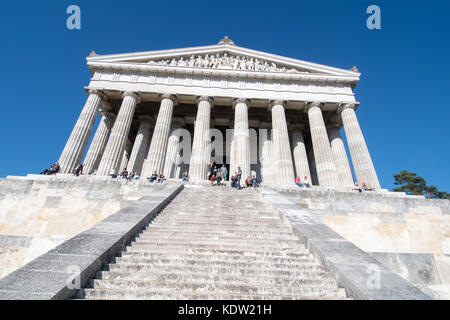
x: 215, y: 243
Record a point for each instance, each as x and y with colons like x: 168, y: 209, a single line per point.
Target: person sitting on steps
x: 78, y: 170
x: 113, y: 173
x: 153, y: 177
x: 306, y: 182
x: 357, y: 187
x: 185, y: 176
x: 124, y: 173
x: 248, y: 182
x: 161, y: 178
x: 219, y: 178
x: 298, y: 182
x: 255, y: 182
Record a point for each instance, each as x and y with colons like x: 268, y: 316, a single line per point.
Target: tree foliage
x: 412, y: 184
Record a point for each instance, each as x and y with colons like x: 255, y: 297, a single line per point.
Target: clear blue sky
x: 405, y: 107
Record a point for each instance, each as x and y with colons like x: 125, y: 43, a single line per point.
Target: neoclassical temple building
x: 286, y: 115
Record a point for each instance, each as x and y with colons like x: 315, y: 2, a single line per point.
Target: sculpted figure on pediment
x: 243, y: 64
x: 258, y: 65
x: 236, y: 63
x: 181, y: 62
x: 225, y: 61
x: 191, y: 62
x: 198, y: 62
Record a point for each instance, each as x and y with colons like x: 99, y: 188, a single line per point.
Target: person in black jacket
x: 78, y: 170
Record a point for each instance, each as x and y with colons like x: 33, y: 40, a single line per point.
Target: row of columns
x: 109, y: 148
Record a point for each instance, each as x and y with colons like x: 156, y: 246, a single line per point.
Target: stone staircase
x: 215, y: 243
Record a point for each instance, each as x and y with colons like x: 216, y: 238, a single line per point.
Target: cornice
x: 219, y: 73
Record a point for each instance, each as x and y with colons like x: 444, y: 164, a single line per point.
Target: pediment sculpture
x: 225, y: 62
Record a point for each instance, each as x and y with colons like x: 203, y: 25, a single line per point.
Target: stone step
x: 214, y: 200
x: 105, y: 294
x: 213, y: 263
x: 231, y: 247
x: 218, y: 246
x: 305, y: 290
x: 160, y: 275
x: 256, y: 271
x: 225, y: 209
x: 218, y: 220
x: 256, y: 259
x: 214, y: 227
x: 184, y: 250
x: 186, y: 236
x: 239, y: 233
x: 264, y: 216
x: 231, y: 241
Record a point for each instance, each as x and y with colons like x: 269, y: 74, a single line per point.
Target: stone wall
x: 409, y: 234
x: 38, y: 213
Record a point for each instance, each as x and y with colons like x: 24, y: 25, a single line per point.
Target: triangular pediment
x: 223, y: 57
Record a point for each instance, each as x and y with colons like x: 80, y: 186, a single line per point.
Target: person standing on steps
x: 224, y: 173
x: 238, y: 177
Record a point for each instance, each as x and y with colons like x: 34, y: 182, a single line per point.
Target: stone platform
x: 405, y: 237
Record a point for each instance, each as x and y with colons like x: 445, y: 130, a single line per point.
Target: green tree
x: 412, y: 184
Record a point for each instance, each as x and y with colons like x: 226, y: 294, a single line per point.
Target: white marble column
x: 265, y: 145
x: 362, y: 162
x: 241, y: 142
x: 340, y: 156
x: 200, y: 158
x: 140, y: 146
x: 173, y: 149
x: 299, y: 152
x: 119, y: 134
x: 267, y: 162
x: 326, y: 169
x: 283, y: 166
x: 76, y: 145
x: 158, y: 146
x: 98, y: 144
x: 125, y: 156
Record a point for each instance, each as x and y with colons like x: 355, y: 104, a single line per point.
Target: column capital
x: 205, y: 98
x: 98, y: 92
x: 133, y: 95
x: 311, y: 104
x: 277, y: 102
x: 240, y: 100
x: 347, y: 105
x: 170, y: 96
